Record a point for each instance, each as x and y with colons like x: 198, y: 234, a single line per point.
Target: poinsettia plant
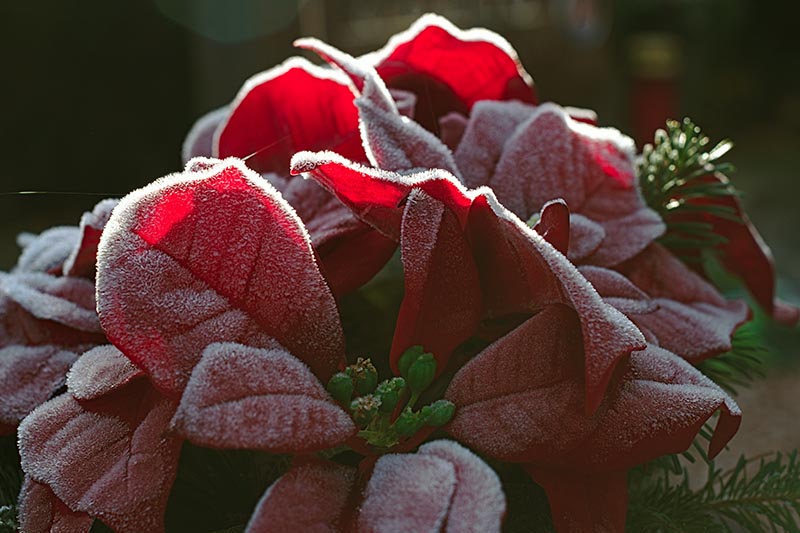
x: 415, y: 295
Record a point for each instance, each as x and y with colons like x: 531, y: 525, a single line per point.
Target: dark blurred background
x: 98, y: 95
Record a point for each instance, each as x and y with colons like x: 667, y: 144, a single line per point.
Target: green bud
x: 421, y: 373
x: 341, y: 387
x: 364, y: 409
x: 441, y: 412
x: 408, y: 358
x: 389, y: 393
x: 425, y: 413
x: 364, y: 375
x: 407, y: 423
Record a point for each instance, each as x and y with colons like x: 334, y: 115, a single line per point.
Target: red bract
x: 299, y: 106
x: 47, y: 315
x: 168, y: 286
x: 284, y: 110
x: 243, y: 397
x: 442, y: 487
x: 531, y: 155
x: 518, y: 272
x: 503, y: 269
x: 41, y: 511
x: 521, y: 400
x: 541, y: 159
x: 745, y: 253
x: 451, y: 69
x: 169, y: 293
x: 164, y: 296
x: 110, y: 456
x: 676, y: 309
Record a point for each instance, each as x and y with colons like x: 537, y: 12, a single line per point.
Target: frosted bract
x: 451, y: 69
x: 28, y: 376
x: 45, y: 322
x: 67, y: 301
x: 443, y: 487
x: 392, y: 142
x: 617, y: 290
x: 47, y: 251
x: 112, y: 458
x: 375, y: 196
x: 243, y: 397
x: 211, y: 256
x: 397, y: 143
x: 71, y: 306
x: 298, y: 106
x: 100, y: 371
x: 478, y: 502
x: 530, y: 156
x: 521, y: 400
x: 83, y: 258
x: 490, y: 125
x: 40, y: 511
x: 693, y: 319
x: 442, y: 303
x: 310, y: 497
x: 408, y: 492
x: 519, y: 271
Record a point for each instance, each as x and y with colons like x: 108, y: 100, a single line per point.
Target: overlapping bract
x: 744, y: 252
x: 201, y: 383
x: 218, y: 288
x: 162, y: 303
x: 442, y: 487
x: 47, y: 313
x: 539, y: 158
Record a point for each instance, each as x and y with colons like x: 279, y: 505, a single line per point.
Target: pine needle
x: 764, y: 498
x: 10, y: 483
x: 670, y: 177
x: 742, y: 365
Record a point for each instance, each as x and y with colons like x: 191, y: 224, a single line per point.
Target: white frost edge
x: 120, y: 221
x: 471, y: 35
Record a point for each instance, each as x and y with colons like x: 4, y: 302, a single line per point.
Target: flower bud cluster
x: 385, y: 411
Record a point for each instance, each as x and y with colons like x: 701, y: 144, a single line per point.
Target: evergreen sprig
x: 10, y: 483
x: 765, y: 499
x: 671, y: 177
x: 740, y: 366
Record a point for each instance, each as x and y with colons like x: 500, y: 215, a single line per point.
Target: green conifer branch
x: 670, y: 172
x: 10, y: 483
x: 740, y: 366
x: 765, y: 497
